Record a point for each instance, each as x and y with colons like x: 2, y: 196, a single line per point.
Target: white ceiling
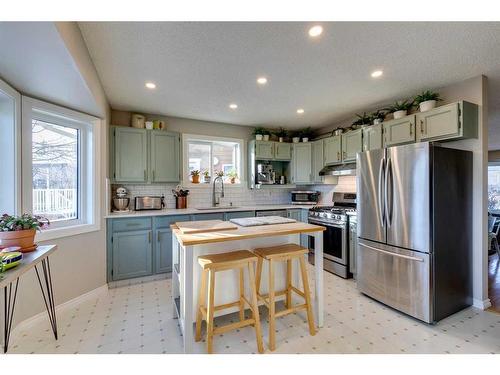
x: 35, y: 60
x: 200, y: 67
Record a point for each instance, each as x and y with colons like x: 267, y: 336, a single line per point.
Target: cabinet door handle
x: 422, y: 126
x: 145, y: 175
x: 157, y: 236
x: 411, y: 128
x: 344, y: 154
x: 149, y: 236
x: 338, y: 155
x: 153, y: 175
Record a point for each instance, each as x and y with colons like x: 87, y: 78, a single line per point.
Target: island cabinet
x: 452, y: 121
x: 332, y: 147
x: 144, y: 156
x: 302, y: 163
x: 317, y: 161
x: 302, y: 216
x: 400, y: 131
x: 372, y: 137
x: 352, y: 143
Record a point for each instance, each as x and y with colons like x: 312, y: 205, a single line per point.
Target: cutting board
x: 202, y: 226
x: 262, y: 220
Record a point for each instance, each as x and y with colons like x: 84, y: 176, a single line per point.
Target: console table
x: 9, y: 281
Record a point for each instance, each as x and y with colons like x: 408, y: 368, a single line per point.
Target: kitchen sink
x: 217, y: 208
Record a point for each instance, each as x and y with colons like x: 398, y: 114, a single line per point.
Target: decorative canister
x: 149, y: 125
x: 180, y: 202
x: 138, y: 121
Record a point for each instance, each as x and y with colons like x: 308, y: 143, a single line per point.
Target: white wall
x: 79, y: 265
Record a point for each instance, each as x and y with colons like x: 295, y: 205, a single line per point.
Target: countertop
x: 243, y: 233
x: 192, y: 211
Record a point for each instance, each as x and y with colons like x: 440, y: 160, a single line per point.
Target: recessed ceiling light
x: 377, y: 73
x: 300, y: 111
x: 233, y: 106
x: 150, y: 85
x: 262, y: 80
x: 315, y: 31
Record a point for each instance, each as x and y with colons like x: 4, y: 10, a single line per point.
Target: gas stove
x: 344, y: 205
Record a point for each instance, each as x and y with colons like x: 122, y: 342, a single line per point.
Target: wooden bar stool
x: 211, y: 264
x: 282, y: 253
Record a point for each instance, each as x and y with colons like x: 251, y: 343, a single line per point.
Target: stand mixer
x: 121, y: 201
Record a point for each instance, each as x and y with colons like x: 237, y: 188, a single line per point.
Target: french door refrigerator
x: 415, y: 228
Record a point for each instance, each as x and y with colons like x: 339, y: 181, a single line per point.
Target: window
x: 60, y: 169
x: 213, y: 155
x: 494, y: 187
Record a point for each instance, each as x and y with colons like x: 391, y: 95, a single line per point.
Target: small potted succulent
x: 281, y: 133
x: 195, y: 176
x: 306, y: 134
x: 378, y: 116
x: 266, y: 135
x: 206, y: 177
x: 427, y: 100
x: 296, y: 136
x: 400, y: 108
x: 259, y: 133
x: 232, y: 176
x: 363, y: 119
x: 20, y: 231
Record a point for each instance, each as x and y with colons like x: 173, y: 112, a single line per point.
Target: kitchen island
x: 186, y: 272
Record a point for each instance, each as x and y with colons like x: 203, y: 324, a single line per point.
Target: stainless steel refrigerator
x: 415, y: 228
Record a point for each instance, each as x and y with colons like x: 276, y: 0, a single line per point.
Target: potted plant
x: 232, y: 176
x: 266, y: 134
x: 296, y: 136
x: 363, y: 119
x: 427, y: 100
x: 20, y: 230
x: 378, y: 116
x: 180, y: 195
x: 306, y: 134
x: 206, y: 176
x: 259, y: 133
x: 281, y: 133
x: 400, y: 108
x: 195, y: 176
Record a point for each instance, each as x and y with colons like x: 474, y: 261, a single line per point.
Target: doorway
x: 494, y: 235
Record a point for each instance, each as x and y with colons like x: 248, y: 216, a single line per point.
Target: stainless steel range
x: 337, y: 254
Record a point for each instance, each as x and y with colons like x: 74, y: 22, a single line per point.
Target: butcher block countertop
x: 243, y: 233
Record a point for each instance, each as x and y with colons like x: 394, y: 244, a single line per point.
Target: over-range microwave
x: 305, y: 197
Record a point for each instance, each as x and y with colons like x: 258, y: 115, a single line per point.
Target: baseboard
x: 65, y: 305
x: 481, y: 304
x: 139, y: 280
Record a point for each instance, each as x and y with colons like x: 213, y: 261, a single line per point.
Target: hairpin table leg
x: 48, y: 293
x: 9, y: 305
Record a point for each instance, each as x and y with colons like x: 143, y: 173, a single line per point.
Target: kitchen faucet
x: 215, y: 199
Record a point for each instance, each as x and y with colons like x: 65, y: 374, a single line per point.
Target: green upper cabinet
x: 332, y: 150
x: 264, y: 150
x: 372, y: 137
x: 165, y: 156
x: 145, y: 156
x: 131, y: 156
x: 317, y: 160
x: 400, y: 131
x: 352, y: 143
x: 302, y: 163
x: 452, y: 121
x: 282, y: 151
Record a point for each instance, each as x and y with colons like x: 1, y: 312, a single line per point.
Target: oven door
x: 334, y: 241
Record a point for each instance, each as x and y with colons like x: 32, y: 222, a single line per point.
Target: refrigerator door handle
x: 388, y: 204
x: 381, y: 199
x: 416, y: 259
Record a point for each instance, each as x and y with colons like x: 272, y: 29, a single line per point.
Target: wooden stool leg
x: 255, y: 308
x: 307, y: 293
x: 210, y: 311
x: 259, y: 273
x: 242, y: 294
x: 288, y: 301
x: 272, y: 308
x: 201, y: 303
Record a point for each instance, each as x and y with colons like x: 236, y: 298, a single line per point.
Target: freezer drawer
x: 397, y: 277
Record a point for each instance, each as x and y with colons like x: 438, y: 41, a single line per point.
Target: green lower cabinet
x: 208, y: 216
x: 132, y: 254
x: 300, y: 215
x: 294, y: 214
x: 163, y: 250
x: 238, y: 215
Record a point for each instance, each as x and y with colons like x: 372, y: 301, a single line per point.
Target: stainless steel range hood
x: 348, y: 169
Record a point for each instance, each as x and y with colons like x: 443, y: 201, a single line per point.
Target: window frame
x: 198, y: 138
x: 88, y: 165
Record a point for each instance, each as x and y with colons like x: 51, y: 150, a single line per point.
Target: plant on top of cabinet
x: 266, y: 134
x: 400, y: 108
x: 259, y: 133
x: 195, y: 176
x: 306, y: 133
x: 427, y: 100
x: 281, y: 133
x: 296, y: 136
x: 363, y: 119
x: 377, y: 117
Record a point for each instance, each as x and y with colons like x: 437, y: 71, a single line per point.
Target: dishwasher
x: 281, y: 213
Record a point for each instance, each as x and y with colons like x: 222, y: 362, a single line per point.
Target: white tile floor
x: 138, y: 319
